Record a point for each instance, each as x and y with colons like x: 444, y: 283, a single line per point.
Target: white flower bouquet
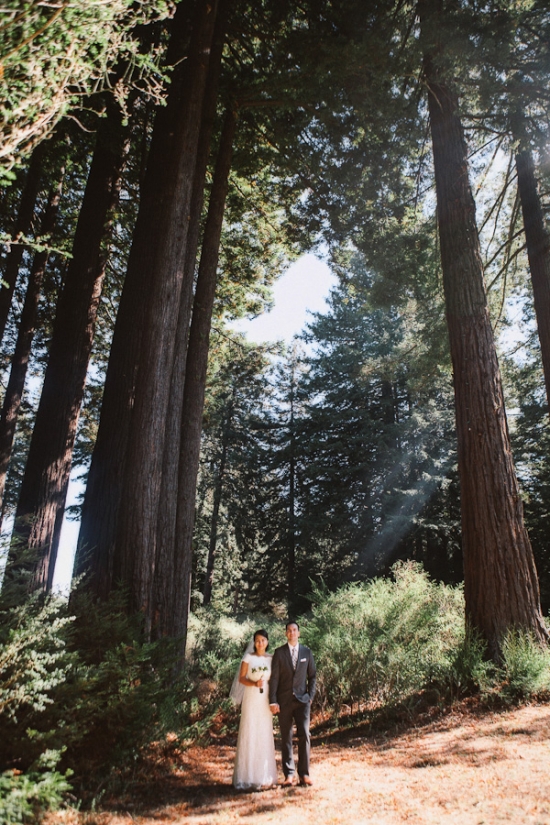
x: 257, y: 673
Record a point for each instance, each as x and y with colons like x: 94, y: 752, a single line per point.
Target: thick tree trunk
x: 96, y: 543
x: 538, y: 252
x: 501, y: 587
x: 166, y: 530
x: 23, y: 226
x: 175, y: 623
x: 138, y: 518
x: 27, y: 325
x: 44, y: 487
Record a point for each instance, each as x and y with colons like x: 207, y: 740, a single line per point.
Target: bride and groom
x: 282, y: 684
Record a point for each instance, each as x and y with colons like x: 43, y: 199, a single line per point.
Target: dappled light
x: 275, y: 353
x: 467, y: 766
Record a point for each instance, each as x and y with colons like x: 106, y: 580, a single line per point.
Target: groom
x: 291, y: 691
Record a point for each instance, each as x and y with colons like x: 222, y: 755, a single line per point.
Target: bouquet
x: 257, y: 673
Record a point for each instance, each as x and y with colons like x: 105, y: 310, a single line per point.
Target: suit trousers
x: 299, y: 713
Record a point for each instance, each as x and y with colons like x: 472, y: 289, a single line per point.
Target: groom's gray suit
x: 293, y: 690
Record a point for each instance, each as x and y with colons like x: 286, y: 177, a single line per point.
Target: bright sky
x: 302, y: 289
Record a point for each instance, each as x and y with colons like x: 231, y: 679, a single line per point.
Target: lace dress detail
x: 255, y: 764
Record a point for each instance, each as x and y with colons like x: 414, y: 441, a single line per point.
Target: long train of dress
x: 255, y: 765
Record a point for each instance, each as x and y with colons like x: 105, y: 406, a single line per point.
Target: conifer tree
x: 27, y: 325
x: 138, y: 516
x: 43, y: 491
x: 501, y: 587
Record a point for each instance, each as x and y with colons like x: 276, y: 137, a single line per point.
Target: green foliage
x: 83, y: 694
x: 53, y: 56
x: 376, y: 643
x: 470, y: 670
x: 341, y: 456
x: 525, y: 666
x: 383, y: 640
x: 25, y: 797
x: 34, y: 664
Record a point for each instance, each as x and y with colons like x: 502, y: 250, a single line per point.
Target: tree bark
x: 166, y: 530
x: 291, y: 557
x: 138, y: 518
x: 96, y: 543
x: 501, y: 587
x: 44, y: 487
x: 538, y: 251
x: 23, y: 226
x: 218, y: 492
x: 27, y: 325
x: 175, y: 622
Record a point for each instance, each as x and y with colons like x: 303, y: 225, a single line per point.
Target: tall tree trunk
x: 218, y: 492
x: 138, y: 518
x: 23, y: 226
x: 27, y: 325
x: 96, y: 543
x: 501, y: 587
x: 166, y: 530
x: 538, y: 248
x: 175, y: 622
x: 44, y: 487
x: 291, y: 558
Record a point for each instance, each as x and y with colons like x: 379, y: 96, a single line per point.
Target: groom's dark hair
x: 291, y: 621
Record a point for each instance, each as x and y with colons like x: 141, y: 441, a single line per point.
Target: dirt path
x: 462, y: 769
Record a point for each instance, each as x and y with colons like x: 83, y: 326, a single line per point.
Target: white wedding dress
x: 255, y: 759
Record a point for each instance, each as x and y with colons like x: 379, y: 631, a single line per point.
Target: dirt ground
x: 465, y: 768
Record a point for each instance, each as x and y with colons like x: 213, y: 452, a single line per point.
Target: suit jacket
x: 285, y: 682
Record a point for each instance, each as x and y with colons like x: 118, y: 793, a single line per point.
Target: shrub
x: 525, y: 666
x: 470, y: 671
x: 34, y: 663
x: 26, y: 797
x: 382, y: 640
x: 82, y: 691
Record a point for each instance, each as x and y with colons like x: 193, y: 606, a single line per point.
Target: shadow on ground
x: 196, y: 783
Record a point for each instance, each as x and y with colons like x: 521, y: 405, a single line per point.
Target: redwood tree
x: 25, y: 334
x: 501, y: 586
x: 166, y: 528
x: 22, y: 227
x: 538, y: 244
x: 96, y: 543
x: 175, y: 619
x: 135, y: 547
x: 41, y: 504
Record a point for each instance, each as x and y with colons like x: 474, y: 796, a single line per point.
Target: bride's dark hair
x: 261, y: 633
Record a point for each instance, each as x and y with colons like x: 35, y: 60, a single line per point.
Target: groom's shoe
x: 288, y: 781
x: 305, y: 780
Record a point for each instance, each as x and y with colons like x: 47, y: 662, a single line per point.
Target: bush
x: 525, y: 666
x: 470, y: 671
x: 382, y: 640
x: 81, y: 694
x: 34, y: 663
x: 26, y: 797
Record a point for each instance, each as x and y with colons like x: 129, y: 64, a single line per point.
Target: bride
x: 255, y: 759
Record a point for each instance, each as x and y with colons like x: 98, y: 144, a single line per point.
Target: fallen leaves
x: 459, y: 769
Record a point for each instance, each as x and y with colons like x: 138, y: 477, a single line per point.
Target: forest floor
x: 463, y: 766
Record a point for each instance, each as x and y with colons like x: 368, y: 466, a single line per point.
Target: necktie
x: 294, y: 653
